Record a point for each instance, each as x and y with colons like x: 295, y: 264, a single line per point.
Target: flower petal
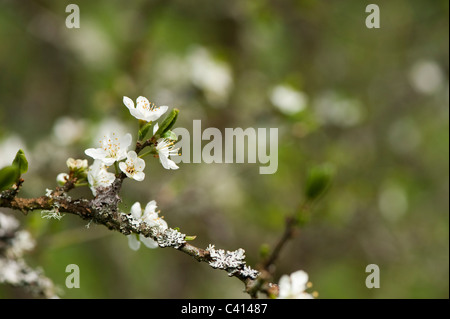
x: 150, y: 208
x: 284, y: 286
x: 164, y: 160
x: 108, y: 161
x: 167, y: 163
x: 138, y: 176
x: 139, y: 164
x: 299, y: 280
x: 136, y: 210
x: 142, y: 103
x: 106, y: 179
x: 93, y: 190
x: 156, y: 114
x: 162, y: 223
x: 125, y: 141
x: 128, y: 103
x: 123, y: 167
x: 155, y: 128
x: 95, y: 153
x: 133, y: 242
x: 161, y: 110
x: 137, y: 114
x: 147, y: 241
x: 132, y: 155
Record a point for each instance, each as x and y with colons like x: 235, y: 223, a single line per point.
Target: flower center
x: 131, y: 170
x: 150, y: 106
x: 111, y: 145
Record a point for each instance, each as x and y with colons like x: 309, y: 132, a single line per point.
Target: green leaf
x: 143, y: 130
x: 168, y: 122
x: 21, y: 162
x: 170, y: 135
x: 188, y: 238
x: 8, y: 176
x: 318, y: 181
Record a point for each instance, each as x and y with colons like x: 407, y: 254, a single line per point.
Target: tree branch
x: 103, y: 209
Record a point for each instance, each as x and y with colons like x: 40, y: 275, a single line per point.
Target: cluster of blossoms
x: 114, y: 150
x: 148, y: 227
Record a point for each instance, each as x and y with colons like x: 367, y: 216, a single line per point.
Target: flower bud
x: 21, y: 162
x: 77, y: 165
x: 318, y: 181
x: 62, y: 179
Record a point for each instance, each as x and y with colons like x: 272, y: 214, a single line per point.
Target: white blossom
x: 144, y: 109
x: 10, y: 271
x: 9, y: 147
x: 214, y: 77
x: 288, y: 100
x: 165, y: 148
x: 8, y: 224
x: 133, y: 167
x: 294, y: 286
x: 13, y: 269
x: 112, y: 149
x: 62, y: 179
x: 98, y: 176
x: 21, y: 242
x: 76, y: 165
x: 151, y: 218
x: 67, y: 130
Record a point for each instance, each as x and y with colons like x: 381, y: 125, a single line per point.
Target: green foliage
x: 143, y: 130
x: 8, y: 176
x: 318, y: 181
x: 21, y: 162
x: 168, y: 122
x: 170, y: 135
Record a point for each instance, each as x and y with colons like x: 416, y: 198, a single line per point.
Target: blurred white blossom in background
x: 393, y: 201
x: 9, y: 147
x: 426, y: 76
x: 67, y: 130
x: 212, y: 76
x: 294, y: 286
x: 332, y: 109
x: 288, y: 100
x: 404, y: 136
x: 91, y: 44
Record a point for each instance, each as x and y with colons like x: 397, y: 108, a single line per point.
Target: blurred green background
x: 371, y: 102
